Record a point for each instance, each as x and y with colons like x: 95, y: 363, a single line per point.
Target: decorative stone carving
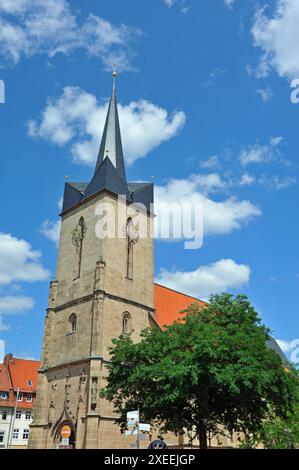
x: 94, y: 393
x: 99, y: 296
x: 51, y: 416
x: 131, y: 232
x: 78, y: 234
x: 53, y: 293
x: 99, y: 274
x: 82, y: 379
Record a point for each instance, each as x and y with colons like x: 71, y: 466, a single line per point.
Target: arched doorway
x: 66, y: 436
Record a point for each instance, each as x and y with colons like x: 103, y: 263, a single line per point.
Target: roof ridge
x: 181, y: 293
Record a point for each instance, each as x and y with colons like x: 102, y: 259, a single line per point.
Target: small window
x: 15, y: 434
x: 26, y: 434
x: 18, y: 414
x: 2, y: 434
x: 28, y: 414
x: 73, y: 323
x: 126, y: 324
x: 4, y: 415
x: 29, y: 397
x: 20, y: 397
x: 3, y: 395
x: 29, y: 383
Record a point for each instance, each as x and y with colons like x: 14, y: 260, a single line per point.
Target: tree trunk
x: 202, y: 431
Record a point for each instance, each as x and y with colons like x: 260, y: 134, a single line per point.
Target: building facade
x: 103, y: 287
x: 18, y: 382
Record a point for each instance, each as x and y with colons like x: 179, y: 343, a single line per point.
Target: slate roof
x: 135, y: 192
x: 272, y: 343
x: 110, y: 171
x: 106, y: 177
x: 111, y: 145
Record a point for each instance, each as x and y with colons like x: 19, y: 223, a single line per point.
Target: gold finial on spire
x: 114, y: 73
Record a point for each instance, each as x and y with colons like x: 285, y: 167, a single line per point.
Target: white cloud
x: 170, y: 3
x: 276, y: 182
x: 211, y: 163
x: 215, y: 278
x: 184, y: 6
x: 258, y: 153
x: 272, y: 182
x: 278, y: 37
x: 247, y: 179
x: 220, y: 217
x: 30, y: 27
x: 207, y: 183
x: 287, y: 346
x: 77, y: 119
x: 3, y: 327
x: 15, y: 304
x: 255, y: 154
x: 51, y: 230
x: 2, y: 350
x: 265, y: 93
x: 274, y: 141
x: 19, y: 262
x: 229, y: 3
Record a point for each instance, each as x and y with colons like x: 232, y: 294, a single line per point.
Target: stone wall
x: 73, y: 362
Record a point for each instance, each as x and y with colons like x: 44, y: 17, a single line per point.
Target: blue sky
x: 204, y: 98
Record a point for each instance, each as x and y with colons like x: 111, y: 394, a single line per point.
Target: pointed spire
x: 110, y: 172
x: 114, y: 75
x: 111, y: 145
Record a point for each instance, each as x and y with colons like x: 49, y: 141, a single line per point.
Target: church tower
x: 104, y: 287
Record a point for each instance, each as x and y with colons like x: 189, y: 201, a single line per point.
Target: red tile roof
x: 21, y: 371
x: 15, y: 373
x: 5, y: 384
x: 169, y: 303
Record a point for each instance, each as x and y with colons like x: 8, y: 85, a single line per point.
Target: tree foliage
x: 277, y: 433
x: 212, y: 367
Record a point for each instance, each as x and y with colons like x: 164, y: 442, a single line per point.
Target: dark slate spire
x: 111, y: 145
x: 110, y: 170
x: 110, y: 173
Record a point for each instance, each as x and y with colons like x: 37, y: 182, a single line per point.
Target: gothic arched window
x: 73, y: 322
x: 78, y: 236
x: 126, y: 323
x: 130, y: 245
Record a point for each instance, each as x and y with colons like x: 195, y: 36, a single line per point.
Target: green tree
x: 277, y: 433
x: 213, y: 367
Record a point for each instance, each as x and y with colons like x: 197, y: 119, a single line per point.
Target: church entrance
x: 66, y: 437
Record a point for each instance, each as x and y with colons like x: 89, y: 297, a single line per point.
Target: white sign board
x: 132, y: 418
x: 65, y: 441
x: 144, y: 427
